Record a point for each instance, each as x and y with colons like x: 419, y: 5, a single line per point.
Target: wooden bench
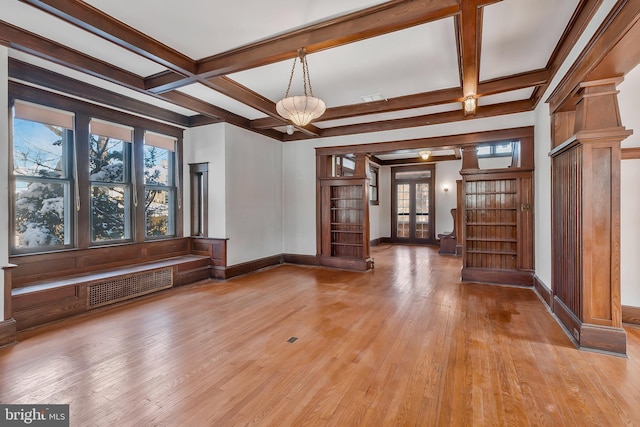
x: 49, y: 287
x: 51, y: 300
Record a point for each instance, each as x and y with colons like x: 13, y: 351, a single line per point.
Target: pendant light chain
x: 306, y: 76
x: 286, y: 94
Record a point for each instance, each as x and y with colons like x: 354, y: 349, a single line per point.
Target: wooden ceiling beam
x: 514, y: 82
x: 360, y: 25
x: 470, y: 28
x: 40, y: 47
x: 418, y: 100
x: 448, y: 141
x: 430, y: 119
x: 95, y: 21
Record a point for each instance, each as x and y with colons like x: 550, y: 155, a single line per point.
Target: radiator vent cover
x: 129, y: 286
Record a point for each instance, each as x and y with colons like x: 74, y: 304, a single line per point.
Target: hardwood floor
x: 404, y: 344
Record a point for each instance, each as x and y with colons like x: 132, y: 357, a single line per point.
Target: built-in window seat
x: 48, y: 287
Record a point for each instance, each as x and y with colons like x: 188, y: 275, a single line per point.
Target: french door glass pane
x: 402, y: 210
x: 422, y: 211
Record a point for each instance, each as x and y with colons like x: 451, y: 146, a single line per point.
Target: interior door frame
x: 432, y: 203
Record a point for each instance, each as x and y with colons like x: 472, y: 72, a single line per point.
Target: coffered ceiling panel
x: 418, y: 59
x: 201, y: 28
x: 520, y: 35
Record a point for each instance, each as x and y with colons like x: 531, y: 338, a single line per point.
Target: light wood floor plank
x: 405, y: 344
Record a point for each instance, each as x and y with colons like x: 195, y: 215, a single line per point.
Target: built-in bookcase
x: 347, y: 220
x: 498, y: 227
x: 343, y: 211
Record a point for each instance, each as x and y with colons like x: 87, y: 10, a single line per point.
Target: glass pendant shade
x: 301, y: 110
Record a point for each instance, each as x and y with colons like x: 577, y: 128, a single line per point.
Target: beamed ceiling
x: 197, y: 62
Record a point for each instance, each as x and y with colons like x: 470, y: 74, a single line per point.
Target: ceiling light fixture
x: 302, y: 109
x: 424, y: 155
x: 469, y: 105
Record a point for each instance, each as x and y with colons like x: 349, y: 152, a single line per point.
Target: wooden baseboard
x: 543, y: 291
x: 376, y: 242
x: 631, y: 315
x: 603, y: 338
x: 300, y: 259
x: 356, y: 264
x: 7, y: 332
x: 250, y: 266
x: 588, y: 336
x: 501, y: 277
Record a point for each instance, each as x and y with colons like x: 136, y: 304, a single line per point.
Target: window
x: 81, y: 174
x: 159, y: 184
x: 373, y: 185
x: 110, y: 181
x: 42, y: 160
x: 344, y: 165
x: 498, y: 149
x: 199, y: 177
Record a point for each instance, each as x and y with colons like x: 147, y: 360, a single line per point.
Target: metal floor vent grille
x: 129, y: 287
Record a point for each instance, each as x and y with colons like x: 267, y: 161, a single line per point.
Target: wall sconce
x: 445, y: 188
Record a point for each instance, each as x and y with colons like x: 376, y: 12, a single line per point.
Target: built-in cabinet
x: 498, y: 232
x: 497, y: 220
x: 343, y: 211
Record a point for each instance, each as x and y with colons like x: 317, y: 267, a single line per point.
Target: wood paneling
x: 631, y: 314
x: 586, y: 221
x: 543, y: 292
x: 7, y: 332
x: 34, y: 268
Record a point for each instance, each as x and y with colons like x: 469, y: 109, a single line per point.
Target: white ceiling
x: 517, y: 36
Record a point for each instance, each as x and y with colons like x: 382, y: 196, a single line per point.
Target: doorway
x: 413, y: 204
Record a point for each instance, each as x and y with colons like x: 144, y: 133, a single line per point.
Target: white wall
x: 207, y: 144
x: 254, y: 195
x: 4, y: 168
x: 629, y: 194
x: 384, y: 211
x: 446, y: 174
x: 245, y: 189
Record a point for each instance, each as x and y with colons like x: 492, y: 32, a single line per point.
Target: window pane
x: 39, y: 149
x: 159, y: 212
x: 505, y: 148
x: 484, y: 150
x: 109, y: 213
x: 41, y: 217
x: 106, y: 159
x: 414, y: 174
x: 157, y: 165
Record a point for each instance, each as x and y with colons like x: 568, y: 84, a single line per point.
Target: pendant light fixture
x: 301, y: 109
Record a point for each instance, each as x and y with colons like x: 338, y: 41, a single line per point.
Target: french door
x: 413, y: 204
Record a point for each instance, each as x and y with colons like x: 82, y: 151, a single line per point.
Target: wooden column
x: 586, y: 218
